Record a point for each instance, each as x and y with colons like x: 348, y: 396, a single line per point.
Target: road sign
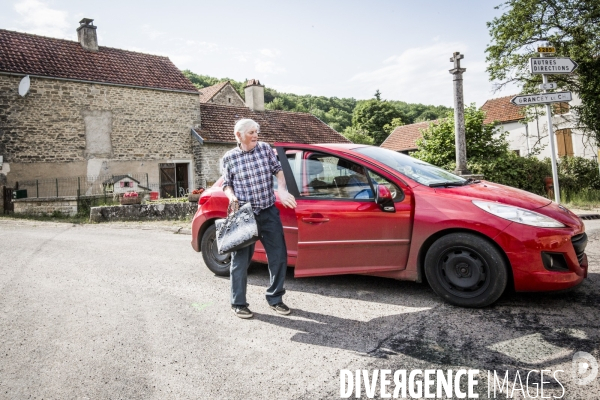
x: 551, y: 65
x: 544, y: 98
x: 546, y: 49
x: 548, y: 86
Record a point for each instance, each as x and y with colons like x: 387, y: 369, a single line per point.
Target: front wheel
x: 217, y: 263
x: 466, y: 270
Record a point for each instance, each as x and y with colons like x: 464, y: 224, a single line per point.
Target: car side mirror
x: 384, y: 199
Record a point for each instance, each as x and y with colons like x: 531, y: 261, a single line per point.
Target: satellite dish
x: 24, y: 86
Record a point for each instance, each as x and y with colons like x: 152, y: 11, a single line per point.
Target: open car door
x: 341, y: 227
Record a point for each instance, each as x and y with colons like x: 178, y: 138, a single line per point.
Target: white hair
x: 243, y: 126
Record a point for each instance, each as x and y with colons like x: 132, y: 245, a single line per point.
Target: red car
x: 368, y: 210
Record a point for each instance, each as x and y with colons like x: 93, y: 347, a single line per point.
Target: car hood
x: 489, y: 191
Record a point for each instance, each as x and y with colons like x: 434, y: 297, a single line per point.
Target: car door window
x: 294, y: 159
x: 327, y: 176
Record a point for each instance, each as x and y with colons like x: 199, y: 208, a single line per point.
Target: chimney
x: 86, y: 33
x: 255, y: 95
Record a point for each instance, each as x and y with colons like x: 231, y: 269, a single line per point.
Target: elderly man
x: 248, y: 178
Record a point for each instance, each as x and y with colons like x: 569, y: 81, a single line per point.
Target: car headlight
x: 519, y: 215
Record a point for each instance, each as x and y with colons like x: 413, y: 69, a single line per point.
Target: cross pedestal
x: 459, y: 115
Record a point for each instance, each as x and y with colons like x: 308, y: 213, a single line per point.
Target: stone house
x: 93, y: 111
x: 524, y: 137
x: 216, y: 130
x: 222, y: 93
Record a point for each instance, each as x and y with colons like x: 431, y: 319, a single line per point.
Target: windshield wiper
x: 446, y: 184
x: 471, y: 180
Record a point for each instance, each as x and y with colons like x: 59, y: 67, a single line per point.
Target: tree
x: 396, y: 122
x: 357, y: 136
x: 334, y: 111
x: 437, y: 145
x: 573, y: 27
x: 372, y: 115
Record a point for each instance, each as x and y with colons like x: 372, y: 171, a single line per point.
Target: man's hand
x: 234, y: 204
x: 287, y: 199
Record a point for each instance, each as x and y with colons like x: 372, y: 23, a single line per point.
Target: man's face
x: 249, y: 139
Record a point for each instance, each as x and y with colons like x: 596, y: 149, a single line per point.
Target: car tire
x: 217, y: 263
x: 466, y: 270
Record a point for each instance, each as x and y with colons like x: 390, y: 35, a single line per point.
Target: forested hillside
x: 362, y: 121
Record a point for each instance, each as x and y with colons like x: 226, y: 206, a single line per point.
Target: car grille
x: 579, y: 244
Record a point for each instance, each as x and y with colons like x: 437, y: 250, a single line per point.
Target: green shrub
x: 525, y: 173
x: 582, y: 173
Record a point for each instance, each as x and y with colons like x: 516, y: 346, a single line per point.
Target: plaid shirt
x: 250, y: 175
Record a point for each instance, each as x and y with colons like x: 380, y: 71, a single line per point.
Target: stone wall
x: 210, y: 161
x: 64, y: 128
x: 46, y: 206
x: 2, y: 199
x: 228, y: 97
x: 143, y: 212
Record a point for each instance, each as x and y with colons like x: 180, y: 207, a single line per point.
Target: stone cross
x: 459, y: 115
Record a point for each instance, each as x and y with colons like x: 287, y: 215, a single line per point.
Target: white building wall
x: 527, y: 138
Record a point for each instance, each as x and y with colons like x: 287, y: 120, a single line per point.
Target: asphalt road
x: 129, y: 311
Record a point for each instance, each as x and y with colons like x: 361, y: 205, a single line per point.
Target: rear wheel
x: 466, y: 270
x: 217, y: 263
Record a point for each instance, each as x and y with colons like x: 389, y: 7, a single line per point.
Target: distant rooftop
x: 275, y: 126
x: 502, y: 110
x: 405, y: 137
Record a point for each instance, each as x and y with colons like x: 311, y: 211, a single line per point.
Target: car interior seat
x: 313, y: 169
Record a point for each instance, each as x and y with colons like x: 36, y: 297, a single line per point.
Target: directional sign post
x: 548, y: 86
x: 529, y: 99
x: 551, y: 65
x: 545, y: 65
x: 555, y: 186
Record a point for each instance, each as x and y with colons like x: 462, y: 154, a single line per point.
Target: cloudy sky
x: 330, y: 48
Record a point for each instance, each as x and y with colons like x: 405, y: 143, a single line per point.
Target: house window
x: 229, y: 99
x: 564, y: 142
x: 560, y: 108
x: 517, y: 152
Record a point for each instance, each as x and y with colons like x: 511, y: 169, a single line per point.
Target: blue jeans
x: 271, y: 236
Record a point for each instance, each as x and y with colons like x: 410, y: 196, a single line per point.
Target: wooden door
x: 167, y: 180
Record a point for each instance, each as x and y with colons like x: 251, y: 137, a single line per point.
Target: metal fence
x: 80, y: 186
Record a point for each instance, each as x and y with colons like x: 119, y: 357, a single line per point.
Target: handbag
x: 236, y: 231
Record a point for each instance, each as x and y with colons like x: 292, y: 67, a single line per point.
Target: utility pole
x: 459, y: 115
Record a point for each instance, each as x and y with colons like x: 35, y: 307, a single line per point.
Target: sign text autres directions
x: 551, y: 65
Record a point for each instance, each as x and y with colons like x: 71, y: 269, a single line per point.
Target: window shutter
x: 569, y: 143
x: 560, y: 141
x: 122, y: 184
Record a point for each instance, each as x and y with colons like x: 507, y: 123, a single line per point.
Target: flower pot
x: 193, y: 198
x: 130, y: 200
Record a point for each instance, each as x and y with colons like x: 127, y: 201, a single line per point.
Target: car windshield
x: 417, y: 170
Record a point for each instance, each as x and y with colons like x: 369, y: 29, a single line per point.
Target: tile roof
x: 275, y: 126
x: 25, y: 53
x: 405, y: 137
x: 208, y: 92
x: 501, y: 109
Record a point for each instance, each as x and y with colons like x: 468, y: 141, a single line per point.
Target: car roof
x: 331, y: 146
